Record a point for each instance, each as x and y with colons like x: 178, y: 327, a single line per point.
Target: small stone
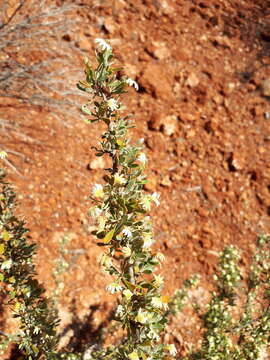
x: 259, y: 110
x: 211, y: 126
x: 191, y: 133
x: 166, y: 182
x: 83, y: 42
x: 97, y: 163
x: 218, y: 99
x: 223, y: 41
x: 109, y: 25
x: 169, y: 125
x: 237, y: 161
x: 265, y: 87
x: 157, y: 81
x: 160, y: 51
x: 155, y: 122
x: 192, y: 80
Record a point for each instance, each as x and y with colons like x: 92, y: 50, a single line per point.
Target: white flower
x: 172, y: 349
x: 153, y: 335
x: 112, y: 104
x: 95, y: 212
x: 103, y: 44
x: 142, y: 158
x: 132, y: 82
x: 6, y: 265
x: 156, y: 302
x: 147, y: 240
x: 158, y: 280
x: 128, y: 294
x: 119, y: 311
x: 97, y: 191
x: 119, y: 179
x: 146, y: 202
x: 126, y: 231
x: 114, y: 287
x: 88, y: 354
x: 3, y: 155
x: 142, y: 316
x: 155, y: 197
x: 106, y: 261
x: 160, y: 256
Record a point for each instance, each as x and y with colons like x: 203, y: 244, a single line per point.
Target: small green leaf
x: 2, y: 249
x: 109, y: 236
x: 35, y: 349
x: 5, y: 235
x: 85, y: 109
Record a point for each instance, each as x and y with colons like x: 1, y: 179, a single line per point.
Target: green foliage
x: 243, y: 336
x: 36, y: 317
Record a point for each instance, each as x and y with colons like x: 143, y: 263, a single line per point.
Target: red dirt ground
x: 204, y: 112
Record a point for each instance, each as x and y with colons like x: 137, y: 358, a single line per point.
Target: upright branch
x: 120, y: 209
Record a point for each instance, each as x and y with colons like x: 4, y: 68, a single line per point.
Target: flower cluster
x: 120, y: 211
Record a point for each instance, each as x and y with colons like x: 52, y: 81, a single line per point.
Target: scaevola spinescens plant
x: 120, y: 209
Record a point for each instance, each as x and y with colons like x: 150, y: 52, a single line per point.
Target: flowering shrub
x: 37, y: 317
x: 124, y: 230
x: 120, y: 209
x: 246, y: 335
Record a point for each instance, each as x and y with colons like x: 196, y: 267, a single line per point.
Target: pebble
x: 192, y: 80
x: 157, y: 82
x: 169, y: 125
x: 166, y: 182
x: 265, y: 87
x: 97, y: 163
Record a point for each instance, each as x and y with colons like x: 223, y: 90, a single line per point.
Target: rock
x: 155, y: 122
x: 157, y: 82
x: 192, y: 80
x: 166, y: 6
x: 265, y: 87
x: 236, y: 162
x: 218, y: 99
x: 211, y: 126
x: 83, y: 42
x: 166, y: 182
x: 160, y: 50
x: 223, y: 41
x: 97, y: 163
x: 169, y: 125
x: 156, y: 141
x: 109, y: 25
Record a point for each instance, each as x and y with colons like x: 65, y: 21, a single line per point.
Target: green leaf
x: 85, y: 109
x: 35, y: 349
x: 5, y: 235
x: 2, y: 249
x: 109, y: 236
